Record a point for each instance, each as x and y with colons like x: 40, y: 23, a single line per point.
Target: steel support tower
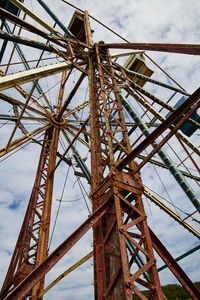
x: 124, y: 245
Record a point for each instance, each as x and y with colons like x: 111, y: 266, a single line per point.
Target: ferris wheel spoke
x: 33, y: 16
x: 14, y: 118
x: 22, y: 140
x: 151, y: 109
x: 8, y: 81
x: 171, y: 213
x: 193, y: 49
x: 21, y: 113
x: 5, y: 14
x: 78, y: 138
x: 148, y: 79
x: 158, y: 131
x: 86, y: 133
x: 77, y: 108
x: 71, y: 95
x: 72, y: 142
x: 24, y: 41
x: 21, y: 104
x: 163, y: 165
x: 19, y: 88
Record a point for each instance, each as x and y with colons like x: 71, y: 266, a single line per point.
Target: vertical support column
x: 25, y: 253
x: 116, y: 272
x: 46, y: 212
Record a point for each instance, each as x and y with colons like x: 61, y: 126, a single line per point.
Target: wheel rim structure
x: 87, y: 102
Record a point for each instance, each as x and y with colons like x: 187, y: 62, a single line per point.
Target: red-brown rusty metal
x: 109, y: 142
x: 189, y: 155
x: 7, y: 15
x: 182, y: 277
x: 193, y: 49
x: 29, y: 282
x: 118, y: 216
x: 168, y: 136
x: 25, y: 253
x: 161, y: 128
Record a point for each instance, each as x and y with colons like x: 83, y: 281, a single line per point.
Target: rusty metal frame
x: 193, y: 49
x: 159, y: 130
x: 29, y: 282
x: 118, y: 213
x: 25, y: 253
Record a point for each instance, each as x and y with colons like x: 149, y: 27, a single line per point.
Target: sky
x: 171, y: 21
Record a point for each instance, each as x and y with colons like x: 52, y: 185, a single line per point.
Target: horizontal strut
x: 193, y: 49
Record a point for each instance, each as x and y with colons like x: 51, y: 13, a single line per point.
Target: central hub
x: 56, y: 121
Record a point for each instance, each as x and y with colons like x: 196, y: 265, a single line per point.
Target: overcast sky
x: 172, y: 21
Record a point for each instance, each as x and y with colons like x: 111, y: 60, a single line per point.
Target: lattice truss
x: 107, y: 120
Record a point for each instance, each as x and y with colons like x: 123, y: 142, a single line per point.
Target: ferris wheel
x: 99, y: 150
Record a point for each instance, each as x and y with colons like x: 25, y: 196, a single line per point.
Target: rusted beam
x: 71, y: 95
x: 33, y: 16
x: 24, y: 41
x: 7, y: 15
x: 160, y: 129
x: 193, y: 49
x: 174, y: 267
x: 29, y: 282
x: 68, y: 271
x: 70, y: 145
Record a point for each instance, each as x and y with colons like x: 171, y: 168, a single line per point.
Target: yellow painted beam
x: 33, y: 16
x: 22, y: 140
x: 12, y: 80
x: 171, y: 213
x: 72, y: 268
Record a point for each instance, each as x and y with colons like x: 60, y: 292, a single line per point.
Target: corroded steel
x: 25, y: 253
x: 68, y: 271
x: 110, y: 142
x: 192, y: 290
x: 118, y: 219
x: 169, y: 121
x: 33, y: 16
x: 30, y: 281
x: 7, y: 15
x: 26, y: 76
x: 174, y: 48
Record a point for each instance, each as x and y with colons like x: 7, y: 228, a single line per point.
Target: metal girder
x: 157, y: 115
x: 7, y: 15
x: 27, y: 66
x: 54, y: 17
x: 33, y: 16
x: 29, y: 282
x: 13, y: 101
x: 25, y: 41
x: 68, y: 271
x: 11, y: 80
x: 193, y: 49
x: 71, y: 95
x: 171, y: 213
x: 22, y: 140
x: 110, y: 138
x: 159, y: 130
x: 146, y: 78
x: 188, y: 285
x: 181, y: 257
x: 70, y: 145
x: 169, y: 164
x: 26, y: 250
